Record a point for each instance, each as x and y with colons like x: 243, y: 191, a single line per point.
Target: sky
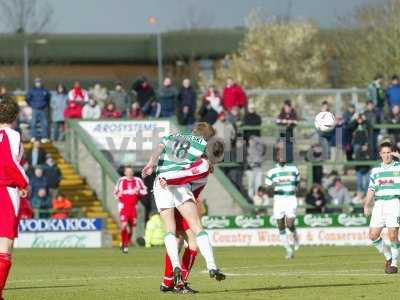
x: 131, y: 16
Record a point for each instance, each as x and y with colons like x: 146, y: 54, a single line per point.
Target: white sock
x: 284, y: 240
x: 382, y: 248
x: 394, y: 249
x: 206, y: 249
x: 171, y: 245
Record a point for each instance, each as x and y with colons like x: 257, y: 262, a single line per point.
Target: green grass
x: 253, y: 273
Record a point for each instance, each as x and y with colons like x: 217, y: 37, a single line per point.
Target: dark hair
x: 9, y: 110
x: 63, y: 87
x: 378, y: 76
x: 370, y: 102
x: 395, y: 77
x: 385, y: 145
x: 325, y: 102
x: 287, y: 102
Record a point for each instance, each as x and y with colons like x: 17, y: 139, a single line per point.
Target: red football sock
x: 168, y: 273
x: 188, y: 259
x: 5, y: 265
x: 124, y: 237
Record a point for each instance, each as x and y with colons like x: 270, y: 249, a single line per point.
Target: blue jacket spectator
x: 167, y: 96
x: 38, y: 99
x: 152, y: 109
x: 393, y: 92
x: 58, y: 104
x: 187, y: 103
x: 41, y: 201
x: 144, y: 91
x: 38, y: 181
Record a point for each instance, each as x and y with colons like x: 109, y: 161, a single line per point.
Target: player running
x: 13, y: 184
x: 384, y: 188
x: 284, y: 178
x: 128, y: 191
x: 177, y: 152
x: 196, y: 175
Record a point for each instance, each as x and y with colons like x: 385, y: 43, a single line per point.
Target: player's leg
x: 279, y: 216
x: 391, y: 212
x: 190, y: 253
x: 394, y: 248
x: 124, y: 235
x: 188, y: 210
x: 290, y: 214
x: 6, y: 246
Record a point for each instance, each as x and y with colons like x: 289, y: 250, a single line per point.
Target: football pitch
x: 252, y: 273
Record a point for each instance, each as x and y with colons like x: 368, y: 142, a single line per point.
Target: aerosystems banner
x: 324, y: 229
x: 126, y: 135
x: 60, y: 233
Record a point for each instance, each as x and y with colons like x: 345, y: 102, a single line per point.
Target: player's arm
x: 16, y: 171
x: 149, y: 168
x: 142, y: 188
x: 370, y: 196
x: 118, y: 189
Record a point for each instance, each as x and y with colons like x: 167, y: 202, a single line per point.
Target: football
x: 325, y: 121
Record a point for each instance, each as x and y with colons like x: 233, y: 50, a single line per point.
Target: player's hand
x: 136, y: 190
x: 163, y: 183
x: 367, y: 210
x: 25, y: 192
x: 147, y: 170
x: 395, y: 154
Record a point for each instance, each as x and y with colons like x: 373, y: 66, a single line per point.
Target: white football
x: 325, y: 121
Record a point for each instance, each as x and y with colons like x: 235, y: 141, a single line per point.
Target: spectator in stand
x: 120, y: 97
x: 315, y: 154
x: 394, y: 118
x: 208, y: 114
x: 110, y: 111
x: 38, y: 181
x: 251, y: 118
x: 372, y: 117
x: 78, y: 95
x: 287, y: 121
x: 325, y: 137
x: 144, y: 91
x: 347, y: 118
x: 362, y: 173
x: 41, y: 203
x: 255, y: 157
x: 213, y: 98
x: 152, y: 109
x: 58, y: 104
x: 393, y: 92
x: 135, y: 112
x: 315, y: 200
x: 73, y: 110
x: 53, y: 174
x: 99, y: 94
x: 38, y: 99
x: 187, y: 102
x: 91, y: 110
x: 376, y: 93
x: 35, y: 156
x: 155, y: 232
x: 225, y: 131
x: 3, y: 93
x: 61, y: 207
x: 339, y: 194
x: 233, y: 95
x: 167, y: 96
x: 361, y: 131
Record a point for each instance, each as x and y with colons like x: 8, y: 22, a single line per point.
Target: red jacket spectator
x: 25, y: 209
x: 78, y: 94
x: 233, y: 96
x: 136, y: 112
x: 110, y: 112
x: 73, y: 111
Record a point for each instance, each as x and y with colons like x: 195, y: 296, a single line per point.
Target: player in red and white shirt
x: 196, y: 175
x: 13, y: 184
x: 128, y: 191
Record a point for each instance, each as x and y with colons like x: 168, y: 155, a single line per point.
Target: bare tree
x: 25, y: 16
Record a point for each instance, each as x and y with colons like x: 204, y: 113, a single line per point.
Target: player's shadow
x: 44, y: 287
x: 292, y: 287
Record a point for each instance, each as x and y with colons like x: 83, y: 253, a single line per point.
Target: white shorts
x: 285, y: 208
x: 386, y: 213
x: 171, y: 196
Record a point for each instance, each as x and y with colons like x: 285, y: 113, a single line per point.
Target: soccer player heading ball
x: 13, y: 184
x: 178, y: 152
x: 384, y: 188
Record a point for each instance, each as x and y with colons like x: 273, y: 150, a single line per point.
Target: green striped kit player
x: 284, y: 179
x: 177, y: 152
x: 384, y: 190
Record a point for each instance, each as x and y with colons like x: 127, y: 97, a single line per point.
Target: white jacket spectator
x: 78, y: 94
x: 99, y: 94
x: 91, y: 110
